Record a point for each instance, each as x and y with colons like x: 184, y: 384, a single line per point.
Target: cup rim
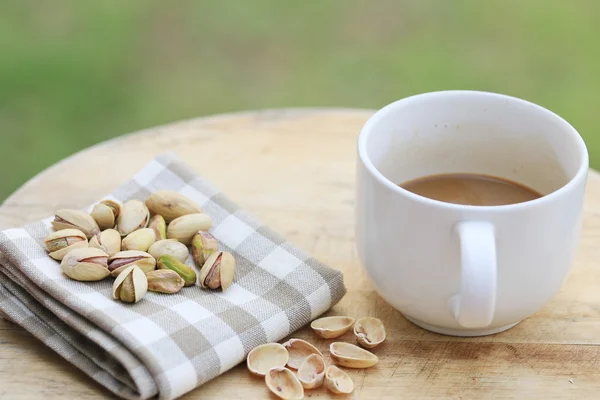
x: 367, y: 128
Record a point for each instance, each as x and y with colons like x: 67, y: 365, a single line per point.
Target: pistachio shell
x: 217, y: 272
x: 351, y: 356
x: 75, y: 219
x: 104, y: 216
x: 169, y: 247
x: 332, y: 327
x: 264, y: 357
x: 298, y: 350
x: 312, y: 371
x: 134, y: 215
x: 131, y: 285
x: 159, y: 226
x: 109, y: 241
x: 284, y: 384
x: 203, y: 245
x: 164, y: 281
x: 338, y: 381
x: 123, y: 259
x: 61, y: 242
x: 114, y: 206
x: 369, y: 332
x: 85, y: 264
x: 171, y: 205
x: 140, y: 240
x: 185, y: 227
x: 185, y: 271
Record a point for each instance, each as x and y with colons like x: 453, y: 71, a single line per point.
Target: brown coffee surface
x: 471, y: 189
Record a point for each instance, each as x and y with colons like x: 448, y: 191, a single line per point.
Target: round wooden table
x: 294, y: 169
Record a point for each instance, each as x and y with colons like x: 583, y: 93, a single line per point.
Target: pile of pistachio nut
x: 144, y: 245
x: 276, y: 362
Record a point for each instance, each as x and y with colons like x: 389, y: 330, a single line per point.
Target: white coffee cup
x: 458, y: 269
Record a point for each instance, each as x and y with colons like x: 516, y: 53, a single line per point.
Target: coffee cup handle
x: 474, y: 305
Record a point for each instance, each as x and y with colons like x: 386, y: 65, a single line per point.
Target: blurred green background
x: 74, y: 73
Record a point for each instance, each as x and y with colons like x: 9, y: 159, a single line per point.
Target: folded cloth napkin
x: 166, y: 345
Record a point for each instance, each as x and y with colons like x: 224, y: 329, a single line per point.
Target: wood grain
x: 295, y: 170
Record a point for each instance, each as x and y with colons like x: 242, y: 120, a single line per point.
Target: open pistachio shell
x: 264, y: 357
x: 123, y: 259
x: 85, y: 264
x: 332, y: 327
x: 109, y: 241
x: 171, y: 205
x: 131, y: 285
x: 140, y: 240
x: 203, y: 245
x: 75, y: 219
x: 169, y: 247
x: 312, y: 371
x: 104, y: 214
x: 338, y: 381
x: 369, y: 332
x: 185, y: 227
x: 284, y: 384
x: 217, y: 272
x: 134, y: 215
x: 351, y: 356
x: 299, y: 349
x: 61, y: 242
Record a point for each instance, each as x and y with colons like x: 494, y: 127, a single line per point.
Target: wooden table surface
x: 295, y: 170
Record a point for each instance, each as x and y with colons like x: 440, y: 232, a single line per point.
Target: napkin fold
x: 166, y: 345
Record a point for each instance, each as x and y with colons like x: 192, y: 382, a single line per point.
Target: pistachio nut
x: 338, y: 381
x: 105, y: 213
x: 171, y: 205
x: 131, y: 285
x: 284, y: 384
x: 184, y: 228
x: 203, y: 245
x: 217, y: 272
x: 123, y: 259
x: 170, y: 247
x: 140, y: 240
x: 299, y: 349
x: 311, y: 372
x: 134, y: 215
x: 266, y: 356
x: 61, y: 242
x: 332, y: 327
x: 109, y: 241
x: 369, y: 332
x: 85, y: 264
x: 164, y: 281
x: 351, y: 356
x: 75, y: 219
x: 186, y: 272
x: 159, y: 226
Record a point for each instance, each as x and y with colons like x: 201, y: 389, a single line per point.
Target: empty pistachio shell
x: 159, y: 226
x: 131, y: 285
x: 164, y: 281
x: 185, y: 227
x: 75, y: 219
x: 85, y: 264
x: 61, y: 242
x: 298, y: 350
x: 312, y: 371
x: 264, y: 357
x: 186, y: 272
x: 105, y: 213
x: 332, y: 327
x: 338, y: 381
x: 123, y: 259
x: 134, y: 215
x: 140, y: 240
x: 284, y: 384
x: 109, y: 241
x: 217, y: 272
x: 351, y: 356
x: 169, y: 247
x: 203, y: 245
x: 171, y: 205
x: 369, y: 332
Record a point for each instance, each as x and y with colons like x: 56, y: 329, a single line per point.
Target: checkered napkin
x: 166, y: 345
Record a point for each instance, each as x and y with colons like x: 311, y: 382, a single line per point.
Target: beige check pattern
x: 166, y: 345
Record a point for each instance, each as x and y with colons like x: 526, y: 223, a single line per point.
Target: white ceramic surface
x: 468, y: 270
